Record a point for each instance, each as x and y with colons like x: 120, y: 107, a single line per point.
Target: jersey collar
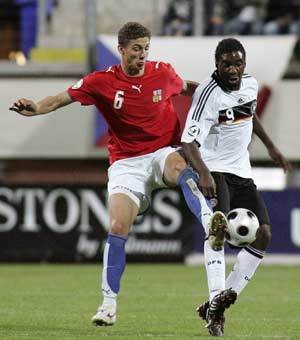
x: 125, y: 76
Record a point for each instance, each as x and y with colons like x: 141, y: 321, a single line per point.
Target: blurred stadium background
x: 53, y: 168
x: 53, y: 172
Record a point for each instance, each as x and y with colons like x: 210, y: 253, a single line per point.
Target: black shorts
x: 237, y: 192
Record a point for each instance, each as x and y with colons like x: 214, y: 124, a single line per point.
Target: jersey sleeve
x: 254, y: 84
x: 175, y: 81
x: 202, y: 115
x: 82, y: 91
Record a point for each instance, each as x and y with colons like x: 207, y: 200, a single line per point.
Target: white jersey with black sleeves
x: 220, y: 121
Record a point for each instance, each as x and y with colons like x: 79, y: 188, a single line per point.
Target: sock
x: 248, y: 260
x: 215, y: 270
x: 194, y: 198
x: 114, y: 261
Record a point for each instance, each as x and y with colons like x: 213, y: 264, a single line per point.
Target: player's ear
x: 121, y: 49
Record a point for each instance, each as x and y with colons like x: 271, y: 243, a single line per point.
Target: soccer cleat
x: 215, y: 314
x: 217, y: 229
x: 106, y: 316
x: 202, y: 310
x: 215, y: 325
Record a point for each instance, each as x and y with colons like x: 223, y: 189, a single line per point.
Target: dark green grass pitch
x: 156, y: 302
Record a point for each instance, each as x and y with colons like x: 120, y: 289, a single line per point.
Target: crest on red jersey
x: 157, y: 95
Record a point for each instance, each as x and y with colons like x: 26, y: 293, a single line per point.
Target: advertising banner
x: 284, y: 211
x: 70, y: 224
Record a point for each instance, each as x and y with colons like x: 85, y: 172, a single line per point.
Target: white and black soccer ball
x: 242, y: 227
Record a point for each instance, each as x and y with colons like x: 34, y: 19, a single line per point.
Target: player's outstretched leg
x: 215, y: 314
x: 248, y: 260
x: 113, y: 268
x: 215, y: 226
x: 197, y: 203
x: 217, y: 229
x: 214, y: 254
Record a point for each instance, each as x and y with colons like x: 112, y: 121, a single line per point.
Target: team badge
x: 157, y: 96
x: 193, y: 131
x: 78, y: 84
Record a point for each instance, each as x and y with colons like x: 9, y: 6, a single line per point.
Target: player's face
x: 134, y: 56
x: 231, y: 67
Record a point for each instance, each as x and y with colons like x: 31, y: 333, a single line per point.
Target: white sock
x: 248, y: 259
x: 110, y: 301
x: 215, y: 270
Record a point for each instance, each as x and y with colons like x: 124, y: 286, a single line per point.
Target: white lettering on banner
x: 29, y: 197
x: 164, y: 210
x: 86, y: 247
x: 23, y: 207
x: 72, y: 210
x: 7, y: 211
x: 156, y: 247
x: 62, y: 210
x: 167, y: 211
x: 295, y: 226
x: 143, y: 227
x: 90, y: 201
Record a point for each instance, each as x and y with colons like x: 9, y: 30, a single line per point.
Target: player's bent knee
x: 172, y: 174
x: 263, y: 237
x: 174, y: 165
x: 266, y: 232
x: 119, y: 228
x: 180, y: 166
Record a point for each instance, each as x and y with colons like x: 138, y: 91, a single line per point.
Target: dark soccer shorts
x: 237, y: 192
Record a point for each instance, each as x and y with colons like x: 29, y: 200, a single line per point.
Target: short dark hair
x: 132, y: 30
x: 227, y: 46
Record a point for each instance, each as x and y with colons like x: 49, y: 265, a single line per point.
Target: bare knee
x: 175, y: 164
x: 263, y: 237
x: 119, y: 228
x: 180, y: 166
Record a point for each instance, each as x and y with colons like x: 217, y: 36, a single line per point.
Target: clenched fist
x: 25, y: 107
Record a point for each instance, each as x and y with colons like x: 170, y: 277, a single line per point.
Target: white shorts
x: 138, y: 176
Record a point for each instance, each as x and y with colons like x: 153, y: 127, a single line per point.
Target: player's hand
x: 207, y: 184
x: 25, y: 107
x: 279, y: 159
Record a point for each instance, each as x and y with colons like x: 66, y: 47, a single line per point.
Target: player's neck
x: 128, y: 72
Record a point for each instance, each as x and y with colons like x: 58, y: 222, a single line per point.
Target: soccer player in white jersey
x: 219, y: 125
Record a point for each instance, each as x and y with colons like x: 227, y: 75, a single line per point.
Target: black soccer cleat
x: 202, y: 310
x: 215, y: 314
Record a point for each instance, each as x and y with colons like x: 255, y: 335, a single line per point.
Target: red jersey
x: 138, y: 110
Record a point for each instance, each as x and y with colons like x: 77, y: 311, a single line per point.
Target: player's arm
x: 274, y: 153
x: 189, y: 87
x: 196, y: 129
x: 27, y: 107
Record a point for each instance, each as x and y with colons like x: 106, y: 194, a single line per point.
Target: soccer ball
x: 242, y: 227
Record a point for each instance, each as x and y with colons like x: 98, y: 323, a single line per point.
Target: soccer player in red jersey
x: 135, y: 99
